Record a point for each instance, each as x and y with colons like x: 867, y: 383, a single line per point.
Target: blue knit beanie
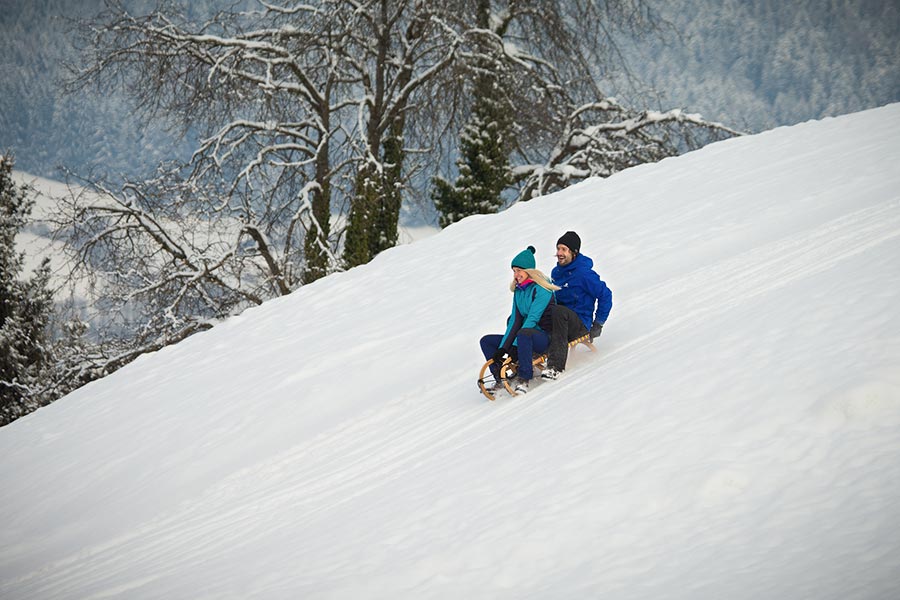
x: 524, y: 259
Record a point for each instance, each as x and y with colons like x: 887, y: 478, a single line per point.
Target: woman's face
x: 519, y: 275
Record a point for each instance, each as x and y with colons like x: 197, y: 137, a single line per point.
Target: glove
x: 514, y: 354
x: 499, y: 355
x: 596, y: 330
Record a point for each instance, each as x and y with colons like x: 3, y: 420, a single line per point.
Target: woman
x: 529, y: 323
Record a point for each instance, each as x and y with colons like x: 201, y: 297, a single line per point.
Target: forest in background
x: 753, y: 65
x: 759, y: 64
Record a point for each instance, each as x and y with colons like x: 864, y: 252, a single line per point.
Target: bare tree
x: 401, y: 52
x: 259, y: 86
x: 159, y: 267
x: 549, y: 57
x: 602, y: 138
x: 249, y: 217
x: 300, y: 110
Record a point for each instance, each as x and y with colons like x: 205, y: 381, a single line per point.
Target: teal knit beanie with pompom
x: 524, y: 259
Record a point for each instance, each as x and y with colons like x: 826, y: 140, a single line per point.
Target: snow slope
x: 736, y: 436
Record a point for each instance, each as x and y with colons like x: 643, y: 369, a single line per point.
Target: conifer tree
x: 483, y: 159
x: 25, y: 307
x: 484, y: 147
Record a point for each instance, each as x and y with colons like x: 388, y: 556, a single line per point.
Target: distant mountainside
x: 46, y: 129
x: 759, y: 64
x: 752, y: 64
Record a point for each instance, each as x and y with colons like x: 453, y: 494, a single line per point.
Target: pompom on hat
x: 571, y: 241
x: 524, y: 259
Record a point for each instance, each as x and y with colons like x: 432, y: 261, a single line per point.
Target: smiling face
x: 519, y: 275
x: 564, y: 255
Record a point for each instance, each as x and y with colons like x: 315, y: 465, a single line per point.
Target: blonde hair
x: 539, y: 278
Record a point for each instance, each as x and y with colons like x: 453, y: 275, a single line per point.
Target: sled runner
x: 489, y: 386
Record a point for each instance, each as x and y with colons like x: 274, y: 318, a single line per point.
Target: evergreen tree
x: 25, y: 308
x: 484, y: 147
x: 483, y: 159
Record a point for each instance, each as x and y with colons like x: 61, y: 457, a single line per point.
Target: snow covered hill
x: 736, y: 436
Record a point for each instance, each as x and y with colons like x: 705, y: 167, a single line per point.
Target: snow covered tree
x: 485, y: 142
x: 401, y: 52
x: 257, y: 88
x: 250, y: 216
x: 301, y: 112
x: 159, y: 267
x: 538, y: 118
x: 601, y: 138
x: 483, y: 164
x: 25, y: 308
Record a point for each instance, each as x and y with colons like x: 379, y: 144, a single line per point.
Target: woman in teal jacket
x: 528, y: 326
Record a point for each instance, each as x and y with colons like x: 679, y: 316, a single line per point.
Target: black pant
x: 566, y: 327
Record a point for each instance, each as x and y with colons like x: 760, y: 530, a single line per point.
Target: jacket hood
x: 580, y: 263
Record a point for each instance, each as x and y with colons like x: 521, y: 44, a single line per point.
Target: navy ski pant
x: 528, y: 341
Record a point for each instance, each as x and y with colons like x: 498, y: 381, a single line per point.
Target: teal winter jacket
x: 529, y: 303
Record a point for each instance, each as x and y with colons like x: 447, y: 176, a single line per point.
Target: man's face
x: 564, y: 256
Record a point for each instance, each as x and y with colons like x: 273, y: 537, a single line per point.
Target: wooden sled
x: 486, y: 381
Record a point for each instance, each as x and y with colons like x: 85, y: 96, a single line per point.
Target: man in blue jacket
x: 582, y: 304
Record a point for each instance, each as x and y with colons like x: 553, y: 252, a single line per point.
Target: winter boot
x: 550, y: 373
x: 495, y: 387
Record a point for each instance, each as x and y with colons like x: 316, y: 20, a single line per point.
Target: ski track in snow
x: 758, y: 272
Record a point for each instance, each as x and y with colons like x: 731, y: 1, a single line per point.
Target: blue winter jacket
x: 529, y: 303
x: 582, y: 289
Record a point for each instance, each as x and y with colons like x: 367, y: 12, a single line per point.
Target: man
x: 583, y: 302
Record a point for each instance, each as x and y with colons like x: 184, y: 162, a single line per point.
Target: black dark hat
x: 571, y: 241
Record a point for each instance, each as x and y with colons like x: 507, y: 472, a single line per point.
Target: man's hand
x: 596, y: 330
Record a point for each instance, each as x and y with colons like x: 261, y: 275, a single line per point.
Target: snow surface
x: 737, y: 435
